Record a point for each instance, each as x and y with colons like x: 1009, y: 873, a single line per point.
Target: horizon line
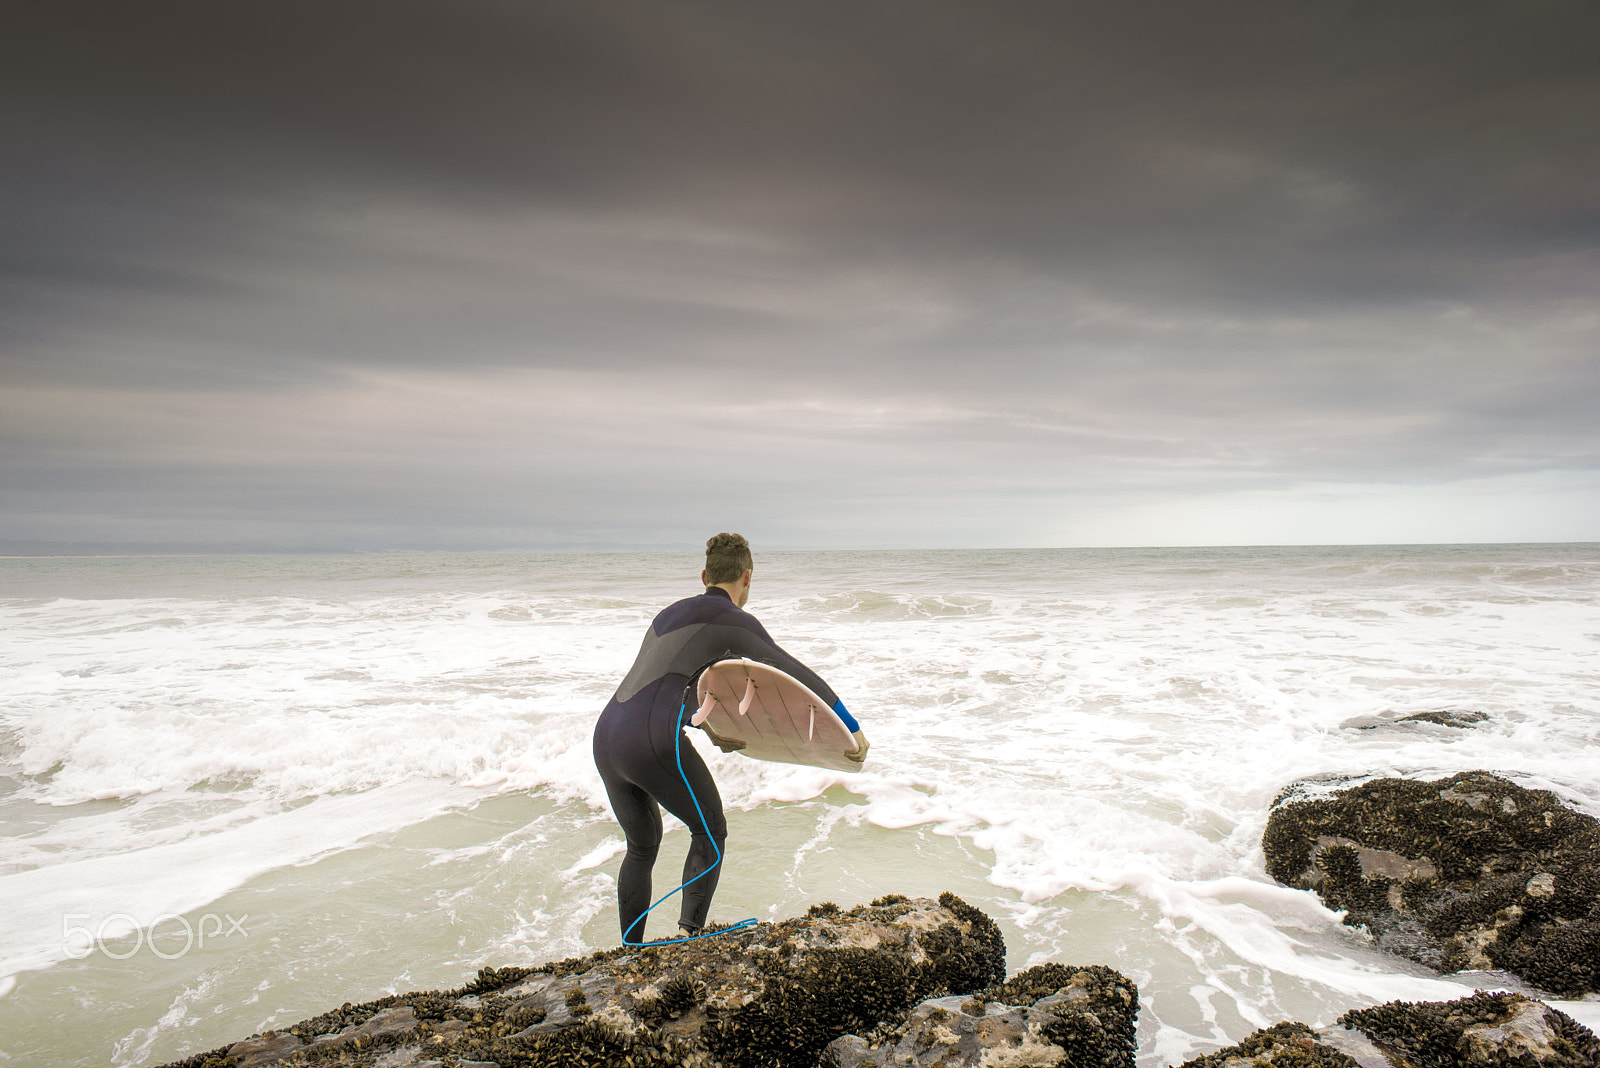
x: 11, y: 549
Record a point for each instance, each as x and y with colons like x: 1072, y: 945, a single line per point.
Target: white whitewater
x: 352, y: 776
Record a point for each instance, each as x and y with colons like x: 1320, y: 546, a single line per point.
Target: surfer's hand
x: 727, y: 745
x: 860, y: 753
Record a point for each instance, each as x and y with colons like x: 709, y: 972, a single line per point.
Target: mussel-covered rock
x: 1467, y: 872
x: 1047, y: 1015
x: 771, y: 995
x: 1484, y: 1029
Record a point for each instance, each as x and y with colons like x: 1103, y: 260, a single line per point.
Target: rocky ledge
x: 774, y: 995
x: 1468, y: 872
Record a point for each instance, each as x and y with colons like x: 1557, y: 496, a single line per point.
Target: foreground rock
x: 1469, y: 872
x: 1047, y: 1015
x: 774, y: 995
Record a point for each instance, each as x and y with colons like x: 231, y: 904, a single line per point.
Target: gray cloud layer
x: 931, y: 273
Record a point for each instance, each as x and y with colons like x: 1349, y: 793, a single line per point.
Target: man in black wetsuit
x: 636, y: 741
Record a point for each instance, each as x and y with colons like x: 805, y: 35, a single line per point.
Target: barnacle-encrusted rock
x: 264, y: 1049
x: 1484, y: 1029
x: 1284, y: 1045
x: 1047, y: 1015
x: 1471, y: 871
x: 772, y: 995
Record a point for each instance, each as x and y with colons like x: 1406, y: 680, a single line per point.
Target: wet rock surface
x: 1047, y: 1015
x: 1469, y: 872
x: 1460, y: 719
x: 774, y: 995
x: 1484, y: 1029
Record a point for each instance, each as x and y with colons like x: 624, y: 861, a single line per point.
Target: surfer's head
x: 728, y: 565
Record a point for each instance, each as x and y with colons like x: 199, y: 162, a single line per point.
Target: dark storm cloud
x: 1277, y: 146
x: 1157, y: 245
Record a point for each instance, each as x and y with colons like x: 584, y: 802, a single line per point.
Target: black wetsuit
x: 635, y: 737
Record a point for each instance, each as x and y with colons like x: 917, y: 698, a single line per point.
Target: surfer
x: 636, y: 741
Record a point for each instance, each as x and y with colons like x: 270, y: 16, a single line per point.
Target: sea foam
x: 1085, y: 743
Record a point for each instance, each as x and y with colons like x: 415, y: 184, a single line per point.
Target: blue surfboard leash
x: 677, y: 753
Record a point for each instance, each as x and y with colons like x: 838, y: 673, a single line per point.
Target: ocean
x: 238, y: 791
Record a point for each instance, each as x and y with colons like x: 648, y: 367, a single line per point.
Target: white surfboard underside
x: 777, y: 717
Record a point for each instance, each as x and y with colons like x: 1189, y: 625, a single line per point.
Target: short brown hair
x: 727, y: 558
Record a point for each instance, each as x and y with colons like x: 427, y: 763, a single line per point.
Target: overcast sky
x: 481, y: 273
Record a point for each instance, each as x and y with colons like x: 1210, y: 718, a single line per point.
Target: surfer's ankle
x: 689, y: 930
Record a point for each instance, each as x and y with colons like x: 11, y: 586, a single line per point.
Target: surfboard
x: 777, y: 717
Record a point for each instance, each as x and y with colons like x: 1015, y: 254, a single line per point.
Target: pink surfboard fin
x: 705, y: 709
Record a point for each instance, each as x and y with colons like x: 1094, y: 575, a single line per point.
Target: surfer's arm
x: 752, y: 640
x: 739, y: 634
x: 845, y: 716
x: 758, y: 645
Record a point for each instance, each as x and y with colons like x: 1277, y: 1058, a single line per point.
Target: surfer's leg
x: 700, y: 868
x: 640, y: 817
x: 697, y: 898
x: 633, y: 878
